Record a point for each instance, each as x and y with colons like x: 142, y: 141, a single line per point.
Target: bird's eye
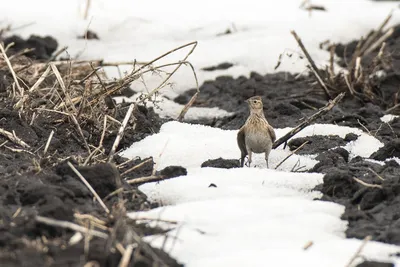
x: 255, y: 101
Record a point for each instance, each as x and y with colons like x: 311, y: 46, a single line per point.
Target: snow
x: 143, y: 30
x: 190, y: 145
x: 252, y: 214
x: 388, y: 118
x: 255, y: 216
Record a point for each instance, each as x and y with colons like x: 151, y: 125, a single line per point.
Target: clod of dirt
x: 103, y: 177
x: 43, y: 46
x: 389, y: 150
x: 5, y: 81
x: 221, y: 163
x: 350, y: 137
x: 222, y: 66
x: 375, y: 263
x: 370, y: 210
x: 173, y: 171
x: 331, y: 159
x: 316, y: 143
x: 89, y: 35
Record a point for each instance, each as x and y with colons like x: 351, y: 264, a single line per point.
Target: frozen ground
x: 256, y: 216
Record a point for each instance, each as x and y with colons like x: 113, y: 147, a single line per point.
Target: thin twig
x: 147, y: 179
x: 88, y: 186
x: 313, y: 67
x: 69, y: 225
x: 136, y: 166
x: 307, y: 121
x: 359, y: 250
x: 379, y: 42
x: 392, y: 108
x: 291, y: 154
x: 367, y: 184
x: 377, y: 175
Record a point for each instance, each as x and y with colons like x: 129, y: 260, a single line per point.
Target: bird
x: 256, y: 135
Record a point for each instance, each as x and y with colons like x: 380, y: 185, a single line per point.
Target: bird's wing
x: 271, y: 133
x: 241, y: 141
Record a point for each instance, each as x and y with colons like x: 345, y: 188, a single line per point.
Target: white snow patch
x: 143, y: 30
x: 388, y: 118
x: 190, y: 145
x: 167, y: 108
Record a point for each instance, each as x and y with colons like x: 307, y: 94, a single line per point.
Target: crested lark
x: 256, y: 135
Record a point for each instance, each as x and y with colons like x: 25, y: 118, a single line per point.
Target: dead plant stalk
x: 88, y: 186
x: 20, y: 89
x: 121, y: 132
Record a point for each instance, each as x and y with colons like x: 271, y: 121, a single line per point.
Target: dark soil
x: 43, y: 47
x: 288, y: 99
x: 222, y: 66
x: 375, y: 263
x: 36, y: 184
x: 221, y: 163
x: 32, y: 185
x: 316, y: 144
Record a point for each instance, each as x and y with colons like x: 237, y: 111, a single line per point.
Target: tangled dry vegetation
x: 76, y: 97
x: 365, y: 67
x: 81, y: 93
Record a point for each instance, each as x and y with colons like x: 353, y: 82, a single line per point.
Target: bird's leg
x: 249, y: 160
x: 266, y: 158
x: 242, y: 157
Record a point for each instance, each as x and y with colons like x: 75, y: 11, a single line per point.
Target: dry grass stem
x: 20, y: 89
x: 69, y: 225
x: 62, y: 85
x: 48, y: 142
x: 359, y: 250
x: 379, y: 42
x: 308, y: 245
x: 13, y: 138
x: 40, y: 80
x: 89, y: 187
x: 313, y: 67
x: 159, y: 157
x: 121, y: 132
x: 17, y: 150
x: 136, y: 166
x: 126, y: 257
x: 87, y: 7
x: 291, y: 154
x: 147, y: 179
x: 376, y: 174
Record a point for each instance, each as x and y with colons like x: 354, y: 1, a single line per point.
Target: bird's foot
x: 248, y: 163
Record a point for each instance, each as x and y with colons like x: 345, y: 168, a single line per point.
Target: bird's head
x: 255, y: 103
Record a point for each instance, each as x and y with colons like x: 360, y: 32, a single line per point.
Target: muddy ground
x: 288, y: 99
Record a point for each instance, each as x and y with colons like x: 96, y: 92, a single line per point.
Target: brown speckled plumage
x: 256, y: 135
